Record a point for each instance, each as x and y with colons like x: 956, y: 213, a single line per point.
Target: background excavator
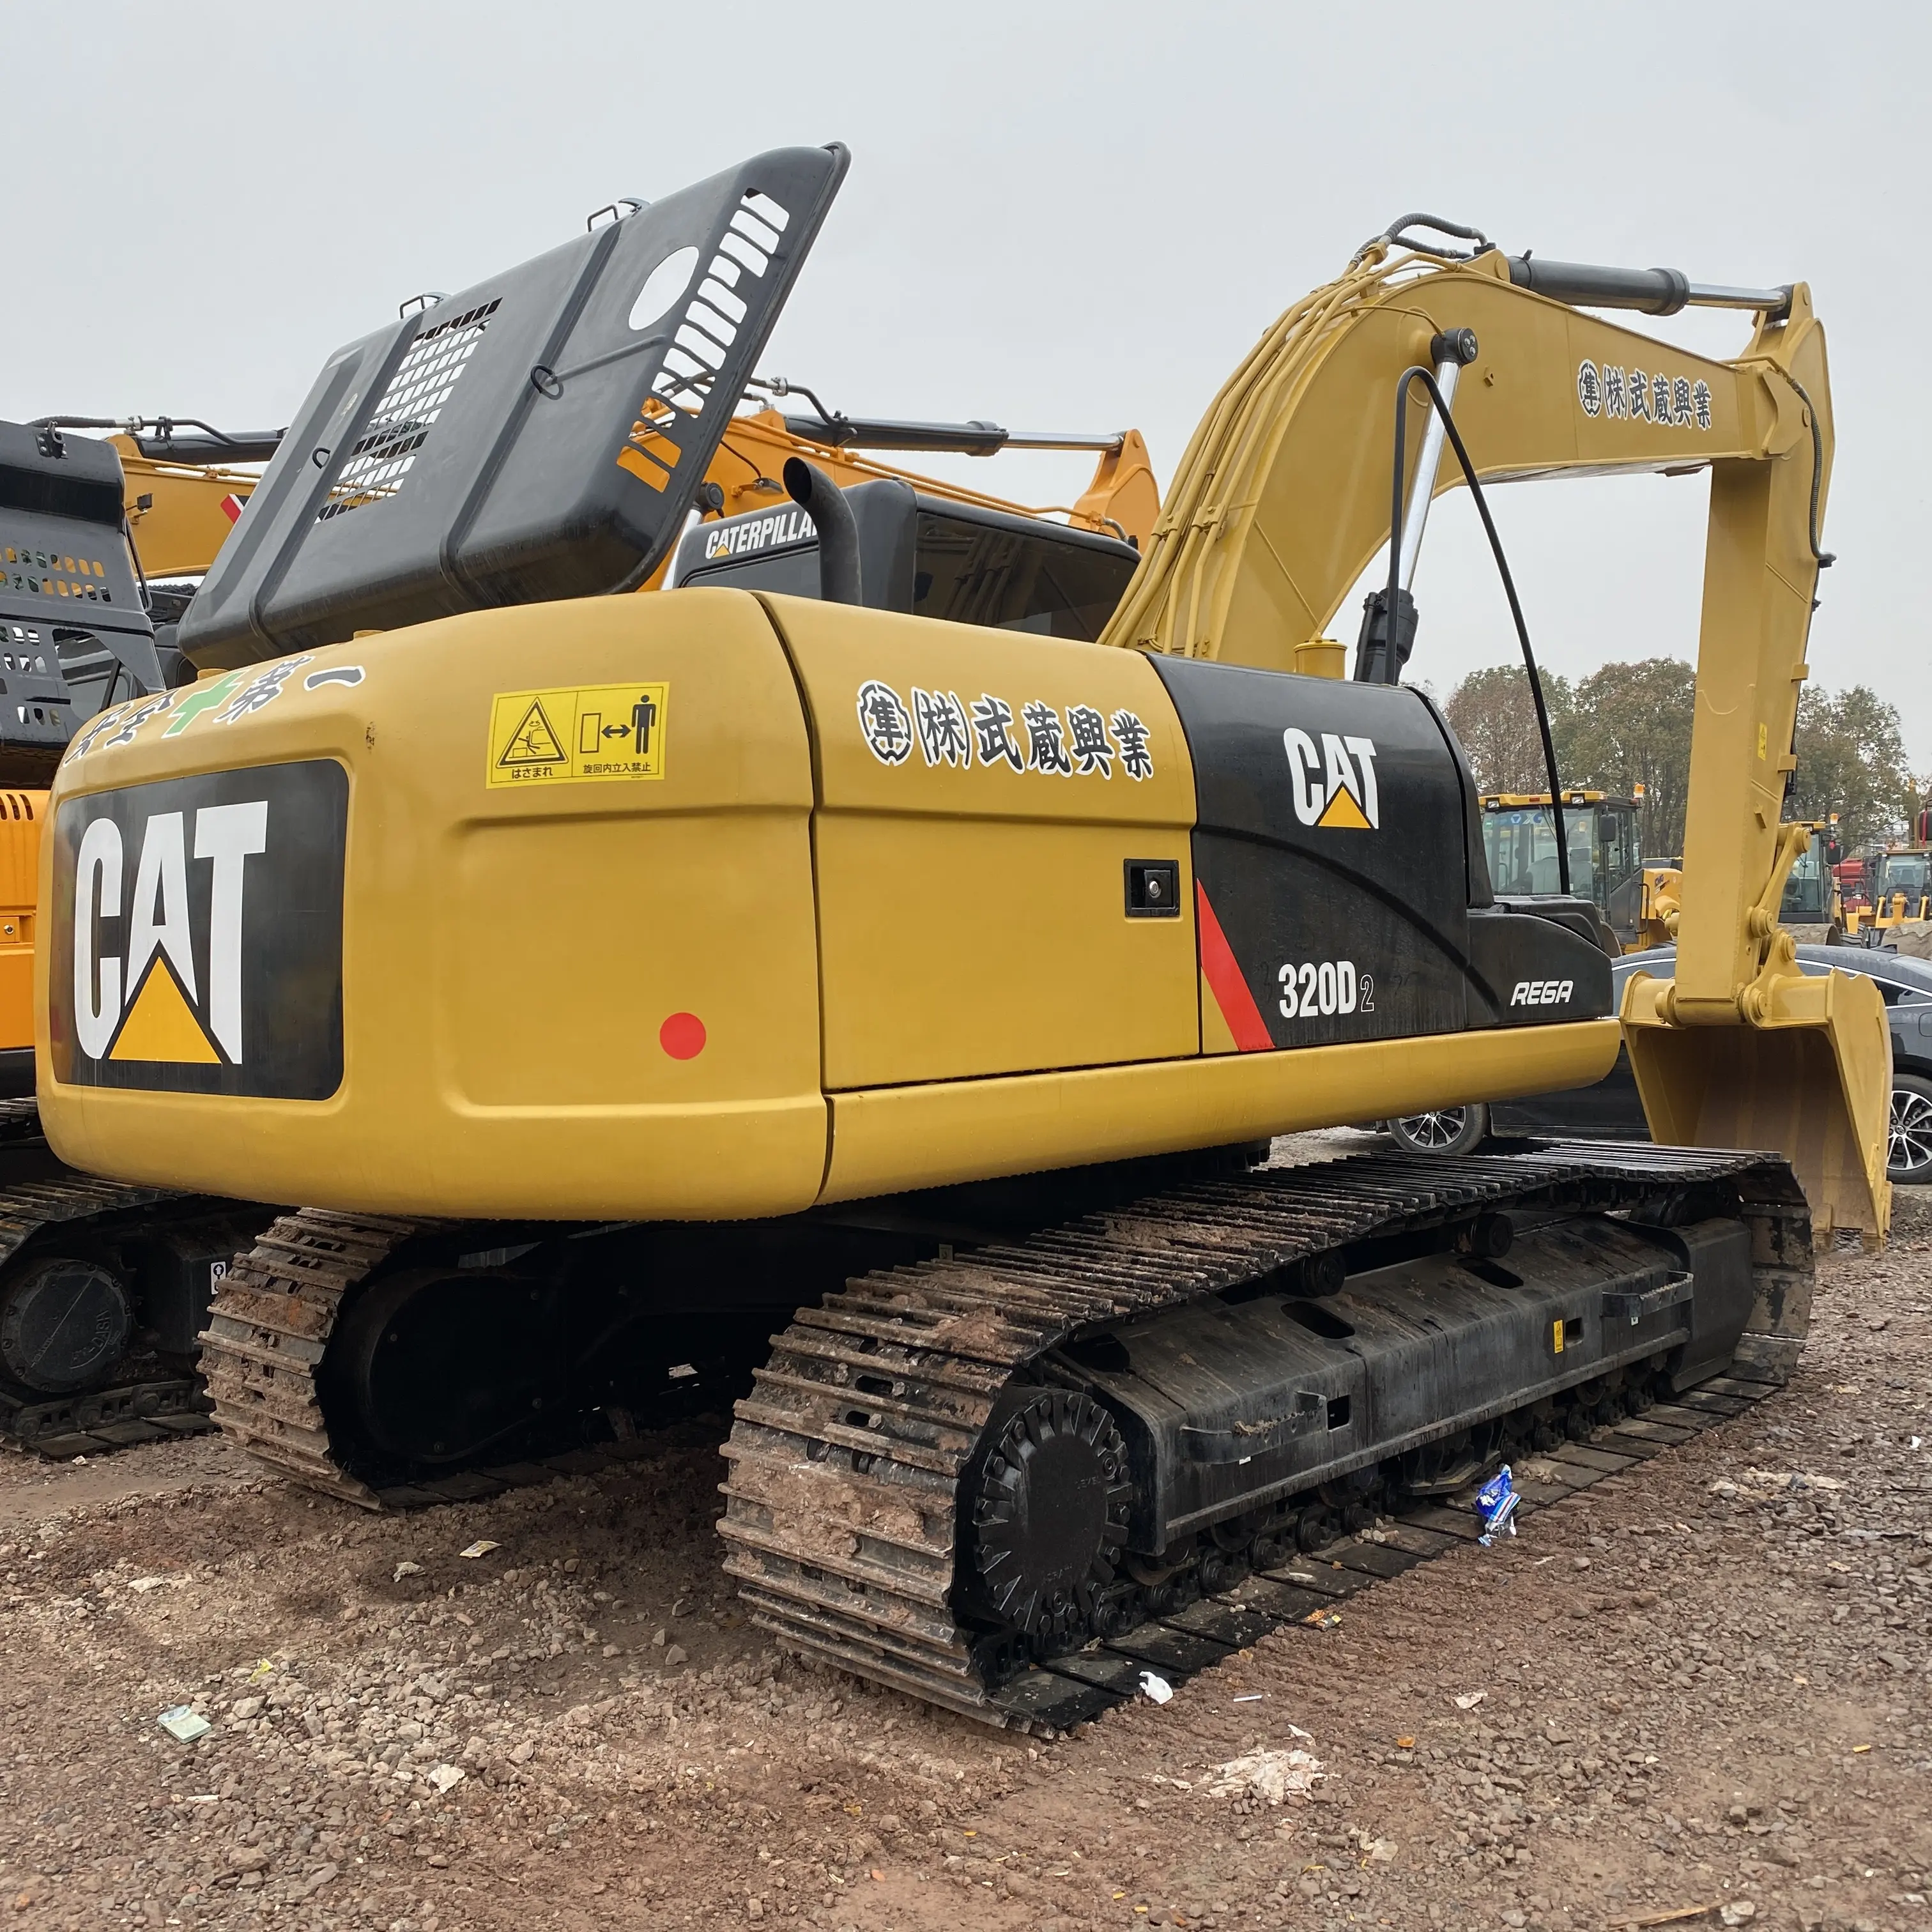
x: 618, y: 975
x: 104, y: 1287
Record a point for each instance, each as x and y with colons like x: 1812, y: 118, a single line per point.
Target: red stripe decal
x: 1225, y: 982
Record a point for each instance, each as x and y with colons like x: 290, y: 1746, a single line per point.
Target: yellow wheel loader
x: 863, y: 942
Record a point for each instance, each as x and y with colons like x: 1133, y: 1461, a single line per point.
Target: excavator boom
x: 1262, y: 534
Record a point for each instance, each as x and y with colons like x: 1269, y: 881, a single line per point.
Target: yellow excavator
x: 906, y: 929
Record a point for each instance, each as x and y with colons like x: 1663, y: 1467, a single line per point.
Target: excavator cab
x: 922, y: 555
x: 1604, y: 834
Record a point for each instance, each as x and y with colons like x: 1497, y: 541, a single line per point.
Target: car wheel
x: 1909, y: 1157
x: 1461, y: 1129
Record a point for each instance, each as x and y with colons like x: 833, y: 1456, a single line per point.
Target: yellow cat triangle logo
x: 161, y: 1024
x: 1343, y: 814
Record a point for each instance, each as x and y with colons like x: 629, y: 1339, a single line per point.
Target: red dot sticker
x: 683, y: 1035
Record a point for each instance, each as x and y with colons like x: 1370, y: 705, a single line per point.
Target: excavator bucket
x: 1810, y: 1075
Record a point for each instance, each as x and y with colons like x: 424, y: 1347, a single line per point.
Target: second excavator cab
x: 928, y: 557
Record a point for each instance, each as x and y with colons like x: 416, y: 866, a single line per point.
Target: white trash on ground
x: 1271, y: 1775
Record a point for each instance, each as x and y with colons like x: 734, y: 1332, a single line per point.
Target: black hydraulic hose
x: 1455, y: 437
x: 1823, y: 559
x: 824, y: 502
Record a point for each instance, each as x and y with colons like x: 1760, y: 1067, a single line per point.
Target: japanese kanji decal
x: 1642, y: 395
x: 1031, y: 737
x: 886, y: 722
x: 944, y: 735
x: 992, y: 722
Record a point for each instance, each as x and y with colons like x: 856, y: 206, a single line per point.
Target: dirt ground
x: 1704, y: 1686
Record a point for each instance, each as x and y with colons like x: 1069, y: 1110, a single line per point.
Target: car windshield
x: 1906, y: 872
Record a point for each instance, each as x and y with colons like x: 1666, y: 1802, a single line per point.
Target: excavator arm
x: 1285, y: 495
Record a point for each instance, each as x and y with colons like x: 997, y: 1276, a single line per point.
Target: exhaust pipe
x: 824, y: 502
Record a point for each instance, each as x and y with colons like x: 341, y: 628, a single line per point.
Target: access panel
x: 1331, y: 877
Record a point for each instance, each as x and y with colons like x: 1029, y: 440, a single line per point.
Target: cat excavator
x: 887, y: 953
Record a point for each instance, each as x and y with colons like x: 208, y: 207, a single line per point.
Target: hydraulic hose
x: 1455, y: 437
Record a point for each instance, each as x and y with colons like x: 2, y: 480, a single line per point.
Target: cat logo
x: 1334, y: 785
x: 196, y: 928
x: 156, y: 1021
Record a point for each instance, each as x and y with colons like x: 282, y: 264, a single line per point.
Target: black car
x: 1611, y: 1110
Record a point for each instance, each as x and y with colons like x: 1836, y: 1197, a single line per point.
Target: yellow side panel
x: 627, y: 921
x: 572, y: 1001
x: 16, y: 998
x: 973, y: 916
x: 922, y: 1136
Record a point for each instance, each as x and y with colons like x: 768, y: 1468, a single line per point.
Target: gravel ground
x: 1703, y: 1687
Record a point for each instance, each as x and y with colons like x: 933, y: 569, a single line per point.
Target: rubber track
x: 140, y: 1410
x: 840, y: 1497
x: 267, y: 1330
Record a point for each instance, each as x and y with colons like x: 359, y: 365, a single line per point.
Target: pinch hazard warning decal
x: 600, y: 731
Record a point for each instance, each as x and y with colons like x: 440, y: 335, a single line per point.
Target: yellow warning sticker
x: 599, y: 731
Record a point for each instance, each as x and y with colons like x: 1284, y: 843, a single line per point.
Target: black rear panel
x: 541, y: 435
x: 196, y: 933
x: 1329, y: 833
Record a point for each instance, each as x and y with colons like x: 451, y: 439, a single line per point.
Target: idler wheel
x: 64, y: 1324
x: 1046, y: 1498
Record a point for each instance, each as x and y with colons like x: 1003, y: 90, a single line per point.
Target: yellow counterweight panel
x: 522, y: 963
x: 973, y: 914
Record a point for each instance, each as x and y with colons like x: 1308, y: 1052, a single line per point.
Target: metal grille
x: 380, y: 461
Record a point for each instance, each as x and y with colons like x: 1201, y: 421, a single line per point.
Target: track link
x: 846, y: 1459
x: 140, y: 1407
x: 268, y: 1328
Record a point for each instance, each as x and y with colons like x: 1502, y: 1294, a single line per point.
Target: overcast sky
x: 1056, y: 217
